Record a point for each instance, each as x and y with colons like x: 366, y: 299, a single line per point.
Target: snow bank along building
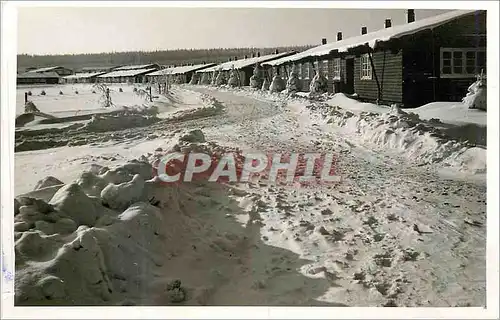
x: 412, y: 64
x: 47, y: 75
x: 128, y: 74
x: 244, y: 67
x: 180, y: 74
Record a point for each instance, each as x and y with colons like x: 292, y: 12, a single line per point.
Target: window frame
x: 307, y: 70
x: 325, y: 69
x: 464, y: 73
x: 366, y: 70
x: 336, y: 72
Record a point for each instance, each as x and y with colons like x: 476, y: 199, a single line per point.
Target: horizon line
x: 166, y: 50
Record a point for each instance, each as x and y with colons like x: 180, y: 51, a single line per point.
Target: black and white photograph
x: 322, y: 156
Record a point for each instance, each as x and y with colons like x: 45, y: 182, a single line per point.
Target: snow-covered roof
x: 238, y: 64
x: 135, y: 67
x: 96, y: 69
x: 83, y: 75
x: 38, y: 75
x: 44, y: 69
x: 181, y: 70
x: 373, y: 38
x: 125, y: 73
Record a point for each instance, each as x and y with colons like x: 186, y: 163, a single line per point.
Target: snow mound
x: 48, y: 182
x: 74, y: 250
x: 71, y: 200
x: 277, y: 85
x: 91, y: 265
x: 24, y: 118
x: 211, y: 107
x: 476, y: 95
x: 418, y: 141
x: 233, y: 80
x: 108, y: 122
x: 112, y: 249
x: 30, y: 107
x: 194, y: 136
x: 121, y: 196
x: 319, y: 84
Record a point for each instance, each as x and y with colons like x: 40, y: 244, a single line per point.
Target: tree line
x: 163, y: 57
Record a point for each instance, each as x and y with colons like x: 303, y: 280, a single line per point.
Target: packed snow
x: 94, y: 226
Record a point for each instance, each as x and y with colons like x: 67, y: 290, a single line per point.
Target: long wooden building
x: 128, y: 74
x: 244, y: 66
x: 180, y: 74
x: 412, y: 64
x: 46, y: 75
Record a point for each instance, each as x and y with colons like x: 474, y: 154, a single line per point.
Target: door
x: 349, y: 76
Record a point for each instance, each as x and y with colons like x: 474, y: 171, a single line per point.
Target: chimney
x: 387, y: 23
x: 323, y: 41
x: 276, y: 51
x: 258, y: 54
x: 363, y: 30
x: 339, y: 36
x: 410, y: 15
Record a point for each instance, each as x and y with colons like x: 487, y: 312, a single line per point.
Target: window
x: 307, y: 69
x: 366, y: 67
x: 299, y: 70
x: 462, y: 62
x: 336, y: 69
x: 325, y: 71
x: 458, y: 60
x: 470, y: 62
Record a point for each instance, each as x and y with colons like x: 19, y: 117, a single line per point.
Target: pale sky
x: 60, y: 30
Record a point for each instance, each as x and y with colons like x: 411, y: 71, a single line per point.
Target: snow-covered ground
x: 393, y: 232
x: 452, y: 113
x: 87, y: 100
x: 71, y: 103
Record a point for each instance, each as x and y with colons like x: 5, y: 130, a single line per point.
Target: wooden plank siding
x: 389, y: 70
x: 422, y: 80
x: 329, y: 75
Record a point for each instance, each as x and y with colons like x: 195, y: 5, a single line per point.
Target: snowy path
x: 396, y: 234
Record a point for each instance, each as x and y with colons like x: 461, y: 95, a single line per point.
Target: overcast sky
x: 62, y: 30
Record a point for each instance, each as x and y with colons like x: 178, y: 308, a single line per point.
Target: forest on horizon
x: 163, y: 57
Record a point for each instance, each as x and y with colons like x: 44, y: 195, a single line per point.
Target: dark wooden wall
x: 422, y: 81
x: 389, y: 70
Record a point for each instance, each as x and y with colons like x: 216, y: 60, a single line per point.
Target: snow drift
x: 104, y: 238
x: 476, y: 95
x: 419, y: 141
